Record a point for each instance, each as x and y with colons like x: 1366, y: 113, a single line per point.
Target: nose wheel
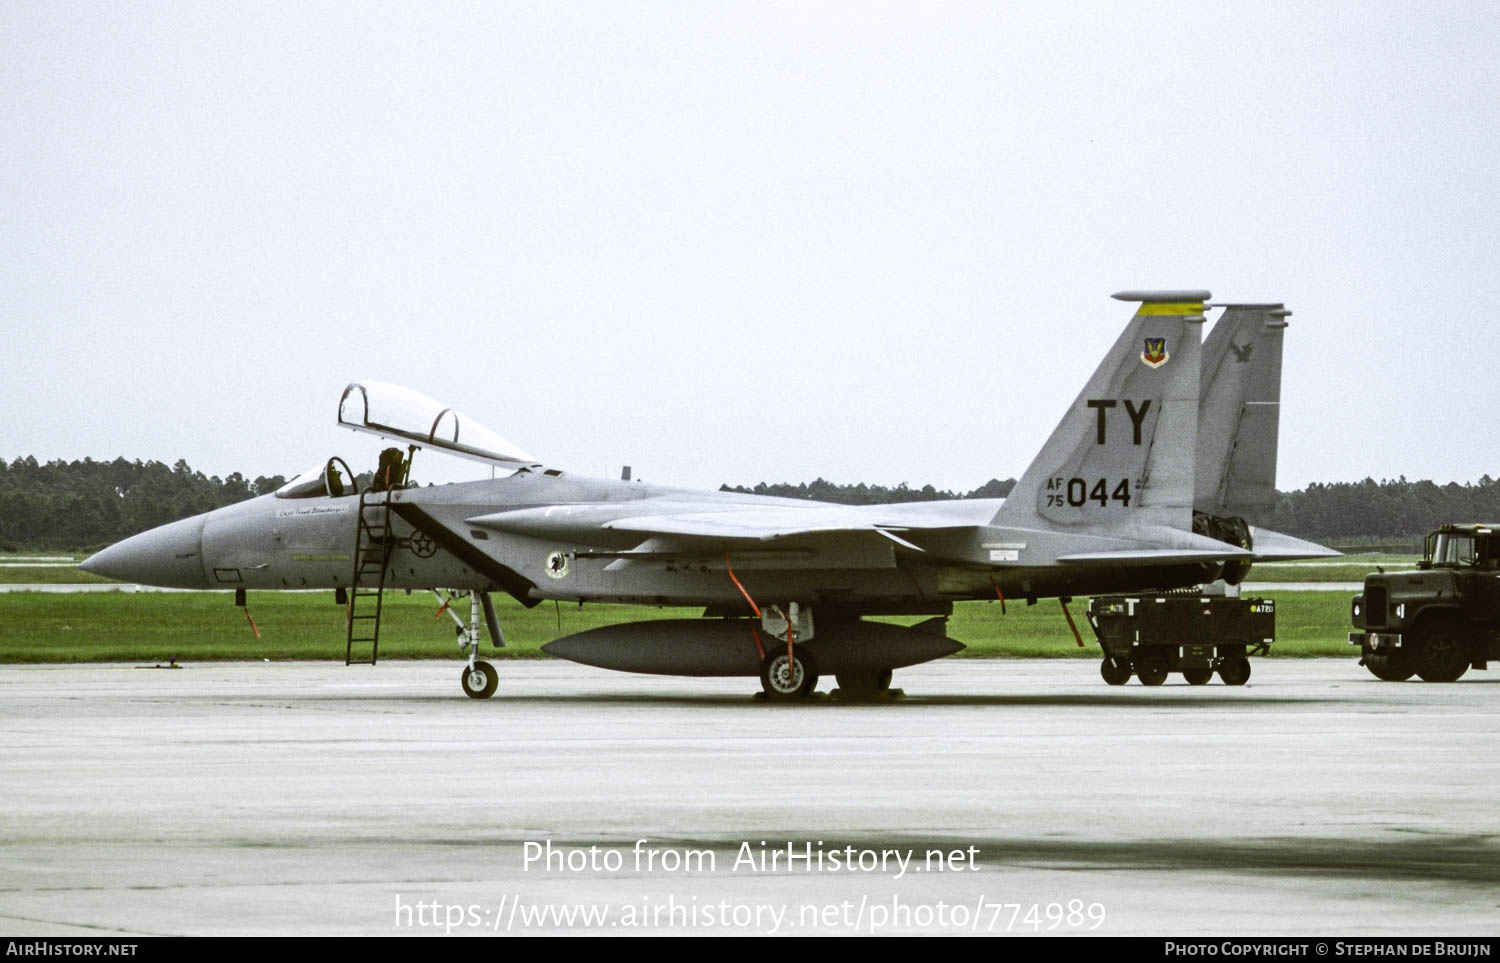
x: 479, y: 680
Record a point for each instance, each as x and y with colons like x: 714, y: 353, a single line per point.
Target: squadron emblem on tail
x: 1155, y: 354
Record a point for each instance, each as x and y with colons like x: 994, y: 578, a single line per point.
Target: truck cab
x: 1438, y: 621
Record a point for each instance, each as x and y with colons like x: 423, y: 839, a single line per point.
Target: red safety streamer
x: 753, y: 607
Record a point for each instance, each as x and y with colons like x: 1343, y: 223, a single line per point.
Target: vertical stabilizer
x: 1124, y: 452
x: 1240, y: 413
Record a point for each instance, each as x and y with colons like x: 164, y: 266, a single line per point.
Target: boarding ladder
x: 372, y: 554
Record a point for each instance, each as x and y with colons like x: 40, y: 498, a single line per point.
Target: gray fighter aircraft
x: 1114, y: 502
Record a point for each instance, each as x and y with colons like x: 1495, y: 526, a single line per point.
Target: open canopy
x: 392, y: 411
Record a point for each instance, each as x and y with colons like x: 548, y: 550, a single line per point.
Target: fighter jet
x: 787, y: 587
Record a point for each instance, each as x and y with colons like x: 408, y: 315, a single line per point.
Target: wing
x: 759, y: 524
x: 1267, y: 546
x: 721, y: 521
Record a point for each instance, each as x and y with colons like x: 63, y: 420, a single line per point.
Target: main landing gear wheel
x: 1115, y: 671
x: 1234, y: 670
x: 1443, y: 657
x: 1395, y: 667
x: 784, y: 678
x: 1197, y: 676
x: 480, y: 680
x: 870, y: 684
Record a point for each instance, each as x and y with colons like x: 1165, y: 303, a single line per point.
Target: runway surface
x: 1248, y: 588
x: 323, y: 799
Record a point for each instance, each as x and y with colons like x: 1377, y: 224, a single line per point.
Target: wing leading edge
x: 718, y: 522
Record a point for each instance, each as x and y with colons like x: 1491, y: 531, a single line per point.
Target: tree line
x: 1392, y: 510
x: 84, y: 505
x: 826, y: 491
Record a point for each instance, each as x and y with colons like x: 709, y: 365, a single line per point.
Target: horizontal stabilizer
x: 1272, y: 546
x: 1157, y: 556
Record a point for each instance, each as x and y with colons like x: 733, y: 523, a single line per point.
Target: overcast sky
x: 736, y: 242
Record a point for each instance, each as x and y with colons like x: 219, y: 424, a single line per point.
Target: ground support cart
x: 1151, y: 636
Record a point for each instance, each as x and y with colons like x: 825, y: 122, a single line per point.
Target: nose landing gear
x: 479, y: 678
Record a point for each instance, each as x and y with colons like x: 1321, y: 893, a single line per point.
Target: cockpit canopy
x: 392, y: 411
x: 332, y: 479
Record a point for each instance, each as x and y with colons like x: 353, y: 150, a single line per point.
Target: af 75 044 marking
x: 1078, y: 492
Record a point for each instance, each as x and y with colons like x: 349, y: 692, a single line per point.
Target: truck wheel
x: 1115, y: 671
x: 1235, y: 670
x: 1443, y: 657
x: 1152, y: 670
x: 1395, y: 667
x: 1197, y: 676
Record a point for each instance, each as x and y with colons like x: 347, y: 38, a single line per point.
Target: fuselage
x: 443, y: 537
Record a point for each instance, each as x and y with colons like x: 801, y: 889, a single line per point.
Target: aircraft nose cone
x: 170, y: 555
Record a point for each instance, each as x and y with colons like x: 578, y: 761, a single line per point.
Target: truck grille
x: 1374, y: 606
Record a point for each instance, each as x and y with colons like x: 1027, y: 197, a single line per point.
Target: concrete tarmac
x: 324, y: 799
